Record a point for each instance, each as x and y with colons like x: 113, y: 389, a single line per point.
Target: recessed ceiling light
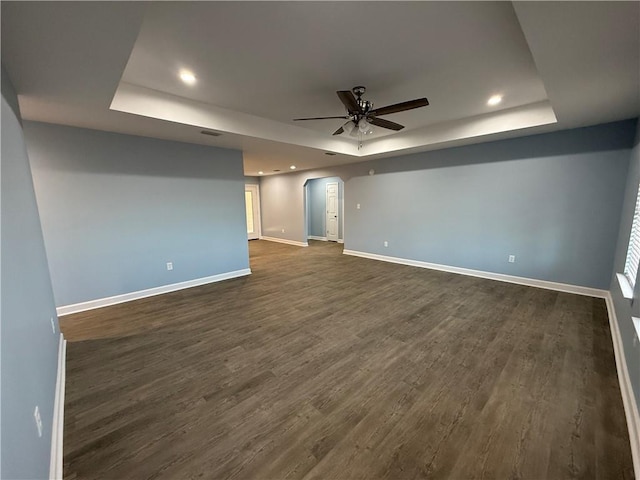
x: 292, y: 167
x: 260, y: 172
x: 494, y: 100
x: 187, y: 77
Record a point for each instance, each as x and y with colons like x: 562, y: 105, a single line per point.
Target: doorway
x: 252, y: 204
x: 324, y: 209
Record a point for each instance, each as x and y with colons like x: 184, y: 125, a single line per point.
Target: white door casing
x: 332, y: 211
x: 252, y: 205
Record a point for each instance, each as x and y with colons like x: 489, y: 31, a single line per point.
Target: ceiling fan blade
x: 319, y: 118
x: 401, y: 107
x: 338, y: 131
x: 349, y: 99
x: 381, y: 122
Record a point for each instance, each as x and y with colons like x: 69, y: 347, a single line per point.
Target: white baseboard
x: 531, y: 282
x: 628, y: 399
x: 283, y: 240
x: 323, y: 239
x: 127, y: 297
x: 57, y: 429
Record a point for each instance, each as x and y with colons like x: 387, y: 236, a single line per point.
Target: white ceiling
x: 114, y: 66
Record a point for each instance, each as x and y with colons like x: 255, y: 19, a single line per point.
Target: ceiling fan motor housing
x: 364, y: 105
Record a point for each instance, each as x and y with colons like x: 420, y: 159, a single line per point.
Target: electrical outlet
x: 283, y: 230
x: 357, y: 206
x: 53, y: 326
x: 386, y: 244
x: 169, y: 265
x: 36, y: 416
x: 512, y: 259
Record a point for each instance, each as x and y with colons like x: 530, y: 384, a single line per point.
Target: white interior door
x: 332, y: 212
x: 252, y: 204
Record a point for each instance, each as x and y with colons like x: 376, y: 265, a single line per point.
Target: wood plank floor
x: 325, y: 366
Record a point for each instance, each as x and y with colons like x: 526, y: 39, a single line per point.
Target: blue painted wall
x: 29, y: 345
x: 625, y: 308
x: 317, y: 201
x: 551, y: 200
x: 115, y: 208
x: 317, y: 204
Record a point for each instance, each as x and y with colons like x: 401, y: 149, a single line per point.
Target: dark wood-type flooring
x: 325, y: 366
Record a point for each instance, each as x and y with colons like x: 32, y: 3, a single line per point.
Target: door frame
x: 256, y: 209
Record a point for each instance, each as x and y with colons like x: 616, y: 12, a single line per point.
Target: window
x: 633, y: 253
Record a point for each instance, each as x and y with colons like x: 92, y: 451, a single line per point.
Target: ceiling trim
x: 147, y: 102
x: 153, y: 103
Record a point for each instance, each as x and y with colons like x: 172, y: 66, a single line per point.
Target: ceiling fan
x: 361, y: 114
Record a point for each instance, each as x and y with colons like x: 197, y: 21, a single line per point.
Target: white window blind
x: 633, y: 253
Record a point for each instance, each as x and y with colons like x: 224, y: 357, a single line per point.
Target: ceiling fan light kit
x: 364, y: 127
x: 361, y: 113
x: 349, y: 128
